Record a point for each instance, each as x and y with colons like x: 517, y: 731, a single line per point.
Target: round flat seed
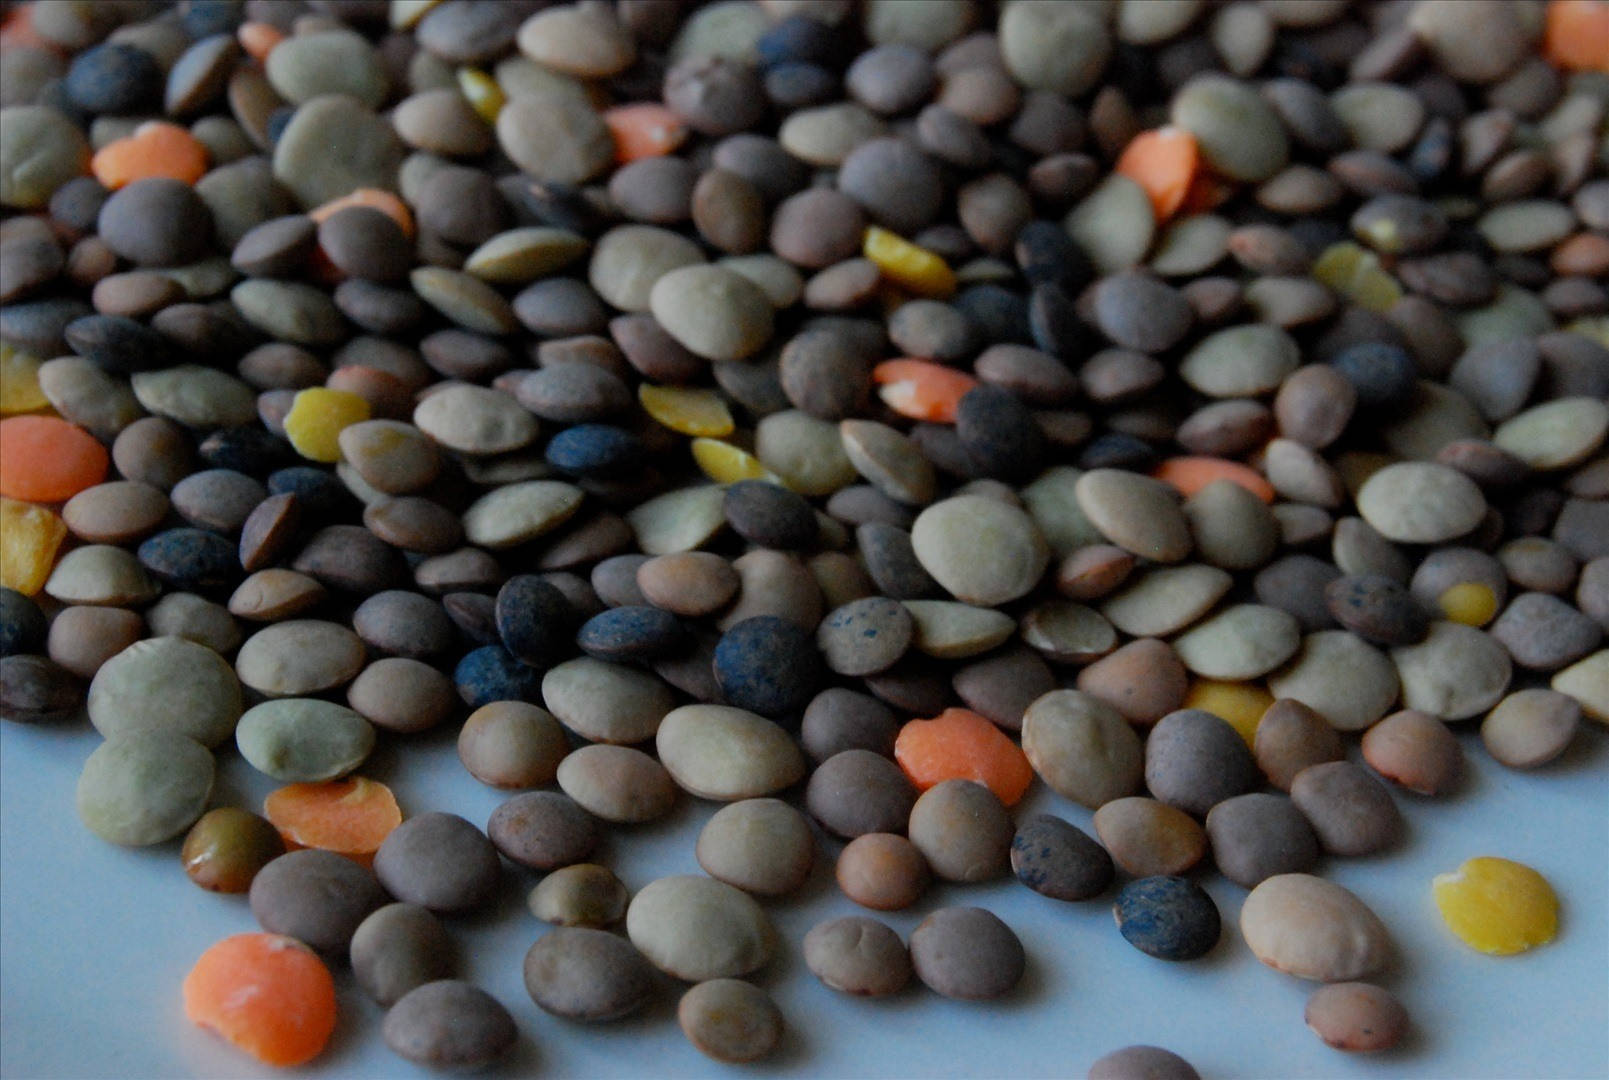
x: 145, y: 787
x: 857, y: 955
x: 697, y: 928
x: 730, y: 1020
x: 967, y: 953
x: 1313, y: 929
x: 722, y: 753
x: 585, y: 974
x: 166, y: 684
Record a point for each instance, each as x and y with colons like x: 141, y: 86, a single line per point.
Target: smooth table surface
x: 95, y: 940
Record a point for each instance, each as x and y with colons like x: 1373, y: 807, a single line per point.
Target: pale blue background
x: 96, y: 940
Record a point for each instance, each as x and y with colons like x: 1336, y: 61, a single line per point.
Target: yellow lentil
x: 1469, y: 602
x: 902, y: 262
x: 19, y: 382
x: 1241, y: 704
x: 29, y: 538
x: 1356, y: 274
x: 1497, y: 906
x: 485, y: 96
x: 727, y: 464
x: 316, y: 420
x: 686, y: 410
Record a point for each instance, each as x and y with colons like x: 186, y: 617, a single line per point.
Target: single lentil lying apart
x: 740, y: 391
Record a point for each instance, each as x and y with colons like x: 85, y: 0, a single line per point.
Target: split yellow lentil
x: 1497, y: 906
x: 687, y: 410
x: 317, y: 418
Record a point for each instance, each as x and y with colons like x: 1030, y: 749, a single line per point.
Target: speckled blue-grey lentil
x: 1170, y: 918
x: 193, y: 560
x: 999, y: 433
x: 490, y: 673
x: 635, y: 632
x: 534, y: 621
x: 116, y: 343
x: 768, y: 665
x: 22, y: 624
x: 595, y: 450
x: 322, y: 495
x: 114, y: 78
x: 1059, y: 860
x: 1382, y: 374
x: 249, y: 450
x: 1377, y: 609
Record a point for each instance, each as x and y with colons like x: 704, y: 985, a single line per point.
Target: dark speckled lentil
x: 1377, y: 609
x: 1170, y: 918
x: 117, y: 343
x: 637, y: 632
x: 595, y: 450
x: 22, y: 624
x: 999, y: 433
x: 1059, y: 860
x: 249, y: 450
x: 1383, y: 376
x: 490, y: 674
x: 323, y: 497
x: 768, y: 665
x: 191, y: 560
x: 534, y: 620
x: 114, y: 78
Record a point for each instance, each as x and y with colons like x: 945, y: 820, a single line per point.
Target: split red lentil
x: 465, y: 326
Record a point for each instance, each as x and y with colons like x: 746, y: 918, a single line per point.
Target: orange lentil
x: 958, y: 744
x: 266, y: 994
x: 351, y: 817
x: 644, y: 129
x: 1164, y: 162
x: 46, y: 459
x: 1189, y: 475
x: 258, y: 39
x: 384, y: 201
x: 921, y: 389
x: 156, y: 148
x: 1577, y: 36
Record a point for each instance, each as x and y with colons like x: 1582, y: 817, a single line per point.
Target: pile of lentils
x: 851, y: 412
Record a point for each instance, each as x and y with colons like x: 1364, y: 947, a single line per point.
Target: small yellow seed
x: 316, y: 419
x: 1496, y: 906
x: 19, y: 383
x: 1241, y: 704
x: 1356, y: 274
x: 1472, y: 603
x: 687, y: 410
x: 29, y: 537
x: 485, y: 96
x: 727, y: 464
x: 903, y: 263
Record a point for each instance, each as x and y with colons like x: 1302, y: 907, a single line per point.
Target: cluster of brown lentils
x: 876, y: 407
